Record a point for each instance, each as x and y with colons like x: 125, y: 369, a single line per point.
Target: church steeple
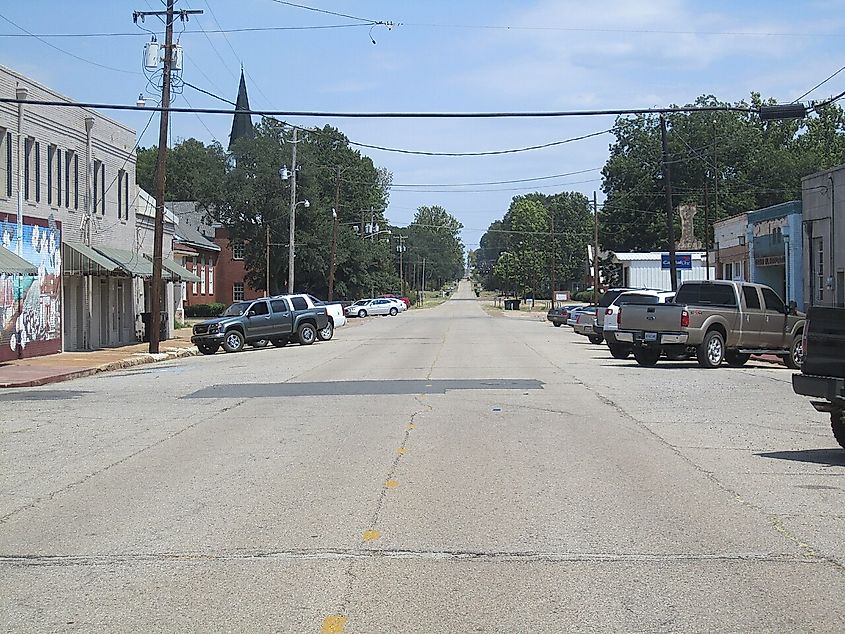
x: 242, y: 123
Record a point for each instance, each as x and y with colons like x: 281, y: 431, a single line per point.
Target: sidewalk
x: 72, y: 365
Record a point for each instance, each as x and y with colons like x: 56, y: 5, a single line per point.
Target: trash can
x: 511, y: 304
x: 162, y: 331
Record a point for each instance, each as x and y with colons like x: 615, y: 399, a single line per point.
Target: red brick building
x: 232, y: 285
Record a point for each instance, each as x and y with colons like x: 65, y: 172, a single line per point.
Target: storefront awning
x: 133, y: 263
x: 80, y: 259
x: 176, y: 270
x: 12, y: 264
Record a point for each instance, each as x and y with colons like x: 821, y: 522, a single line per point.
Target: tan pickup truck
x: 718, y: 321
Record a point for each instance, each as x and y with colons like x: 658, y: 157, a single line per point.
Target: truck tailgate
x: 824, y: 354
x: 651, y: 318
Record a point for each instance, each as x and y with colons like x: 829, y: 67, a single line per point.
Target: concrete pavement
x: 440, y: 471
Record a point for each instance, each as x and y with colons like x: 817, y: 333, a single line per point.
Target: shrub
x: 204, y: 310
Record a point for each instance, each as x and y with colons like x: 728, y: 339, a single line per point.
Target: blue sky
x: 557, y: 55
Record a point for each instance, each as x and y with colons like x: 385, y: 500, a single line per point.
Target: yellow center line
x: 333, y: 624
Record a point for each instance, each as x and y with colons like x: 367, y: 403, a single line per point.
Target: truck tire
x: 556, y: 324
x: 280, y: 342
x: 837, y: 423
x: 795, y: 358
x: 596, y: 339
x: 208, y: 348
x: 647, y: 357
x: 326, y: 333
x: 618, y: 351
x: 736, y: 359
x: 233, y: 341
x: 307, y: 334
x: 711, y: 352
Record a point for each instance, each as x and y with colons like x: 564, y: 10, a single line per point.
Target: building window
x: 126, y: 197
x: 8, y: 171
x: 96, y: 183
x: 37, y: 172
x: 102, y: 189
x: 120, y: 174
x: 238, y: 292
x: 238, y: 250
x: 194, y: 285
x: 58, y: 177
x: 68, y: 168
x: 202, y: 275
x: 28, y: 145
x: 210, y: 277
x: 75, y: 180
x: 51, y: 159
x: 820, y: 268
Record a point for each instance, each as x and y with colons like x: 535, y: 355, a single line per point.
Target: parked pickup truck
x: 823, y: 371
x: 255, y: 322
x: 718, y: 321
x: 337, y: 318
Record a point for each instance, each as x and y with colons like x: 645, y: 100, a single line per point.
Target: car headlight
x: 213, y: 328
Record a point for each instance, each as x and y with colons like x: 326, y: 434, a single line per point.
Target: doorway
x: 840, y: 289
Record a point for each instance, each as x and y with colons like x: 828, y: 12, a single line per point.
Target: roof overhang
x: 13, y: 264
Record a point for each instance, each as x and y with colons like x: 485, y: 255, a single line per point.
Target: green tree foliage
x: 252, y: 196
x: 753, y: 164
x: 434, y: 236
x: 194, y: 170
x: 539, y: 232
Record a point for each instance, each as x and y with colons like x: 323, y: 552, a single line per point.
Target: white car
x: 397, y: 302
x: 366, y: 307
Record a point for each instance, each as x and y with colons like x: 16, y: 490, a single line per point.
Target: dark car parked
x: 559, y: 314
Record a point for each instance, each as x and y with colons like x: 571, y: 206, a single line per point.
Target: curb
x: 141, y: 358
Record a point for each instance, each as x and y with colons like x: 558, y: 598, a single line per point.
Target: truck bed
x: 824, y: 353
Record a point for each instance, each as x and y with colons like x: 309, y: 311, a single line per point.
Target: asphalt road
x: 441, y: 471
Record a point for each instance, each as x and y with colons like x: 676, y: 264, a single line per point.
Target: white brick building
x: 69, y: 172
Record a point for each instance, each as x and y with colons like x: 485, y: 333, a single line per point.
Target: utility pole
x: 291, y: 252
x: 422, y: 294
x: 267, y: 258
x: 161, y: 166
x: 596, y: 276
x: 333, y: 261
x: 401, y: 249
x: 552, y: 245
x: 670, y: 215
x: 707, y: 227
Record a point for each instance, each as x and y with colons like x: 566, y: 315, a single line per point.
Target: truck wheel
x: 837, y: 423
x: 711, y: 352
x: 647, y: 357
x: 326, y: 333
x: 596, y: 339
x: 619, y: 352
x: 208, y: 348
x: 233, y: 342
x: 362, y: 313
x: 394, y: 312
x: 736, y: 359
x: 795, y: 358
x: 306, y: 334
x: 556, y: 324
x: 280, y: 342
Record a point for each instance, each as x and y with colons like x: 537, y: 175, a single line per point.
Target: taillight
x: 619, y: 316
x: 608, y: 311
x: 684, y: 319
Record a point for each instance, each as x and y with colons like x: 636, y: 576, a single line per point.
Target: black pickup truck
x: 258, y: 321
x: 823, y: 371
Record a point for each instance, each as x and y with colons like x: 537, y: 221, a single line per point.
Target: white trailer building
x: 651, y: 270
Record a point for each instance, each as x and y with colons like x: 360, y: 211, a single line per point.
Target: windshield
x: 236, y: 310
x: 607, y: 299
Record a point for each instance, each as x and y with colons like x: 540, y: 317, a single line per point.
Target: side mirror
x: 250, y: 312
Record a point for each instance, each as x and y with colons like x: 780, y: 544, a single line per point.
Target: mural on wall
x: 31, y: 305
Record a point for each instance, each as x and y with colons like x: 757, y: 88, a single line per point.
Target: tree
x: 252, y: 196
x: 194, y: 170
x: 434, y: 236
x: 753, y: 164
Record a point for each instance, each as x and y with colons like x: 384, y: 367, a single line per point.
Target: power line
x: 539, y: 114
x: 68, y: 53
x: 334, y: 13
x: 508, y: 182
x: 820, y: 84
x: 254, y: 29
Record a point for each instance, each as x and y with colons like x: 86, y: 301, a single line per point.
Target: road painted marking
x: 333, y: 624
x: 371, y: 535
x: 402, y: 451
x: 411, y: 426
x: 391, y: 484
